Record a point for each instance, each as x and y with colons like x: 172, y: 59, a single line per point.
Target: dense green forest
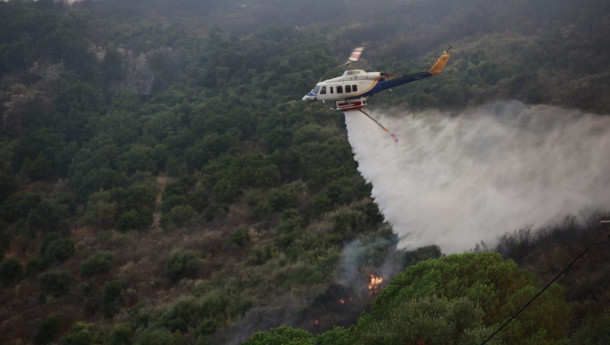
x: 162, y: 183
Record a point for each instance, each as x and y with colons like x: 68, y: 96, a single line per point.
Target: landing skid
x: 351, y: 105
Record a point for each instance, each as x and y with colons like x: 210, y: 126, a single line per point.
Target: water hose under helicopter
x: 379, y: 124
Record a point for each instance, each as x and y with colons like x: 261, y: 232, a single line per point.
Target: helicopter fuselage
x: 357, y: 83
x: 350, y: 91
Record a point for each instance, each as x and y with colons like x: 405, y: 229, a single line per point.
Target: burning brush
x: 375, y: 284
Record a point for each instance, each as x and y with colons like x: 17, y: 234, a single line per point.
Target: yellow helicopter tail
x: 440, y: 63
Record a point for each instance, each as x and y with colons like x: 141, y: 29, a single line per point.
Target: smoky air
x: 457, y: 180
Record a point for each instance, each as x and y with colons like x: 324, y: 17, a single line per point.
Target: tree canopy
x: 458, y: 299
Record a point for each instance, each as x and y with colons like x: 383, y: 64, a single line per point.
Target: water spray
x: 457, y: 180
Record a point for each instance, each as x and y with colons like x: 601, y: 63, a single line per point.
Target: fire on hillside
x: 375, y: 284
x: 341, y: 305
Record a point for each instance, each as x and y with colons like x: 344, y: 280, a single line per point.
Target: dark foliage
x: 10, y: 271
x: 99, y: 263
x: 112, y: 299
x: 47, y: 329
x: 57, y: 251
x: 550, y: 249
x: 182, y: 264
x: 55, y: 282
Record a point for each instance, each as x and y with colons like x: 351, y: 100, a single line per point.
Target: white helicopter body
x: 350, y: 91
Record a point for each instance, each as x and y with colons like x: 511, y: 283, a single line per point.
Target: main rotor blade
x: 354, y: 56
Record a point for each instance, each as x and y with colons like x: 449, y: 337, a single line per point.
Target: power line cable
x: 593, y: 243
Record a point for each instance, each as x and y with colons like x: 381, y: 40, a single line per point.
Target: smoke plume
x: 457, y: 180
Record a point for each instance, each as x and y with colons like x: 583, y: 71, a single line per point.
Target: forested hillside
x: 162, y: 183
x: 538, y: 51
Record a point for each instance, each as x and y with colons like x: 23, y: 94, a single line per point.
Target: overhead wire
x: 596, y: 241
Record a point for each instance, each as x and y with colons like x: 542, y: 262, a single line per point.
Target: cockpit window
x: 315, y: 90
x: 323, y: 91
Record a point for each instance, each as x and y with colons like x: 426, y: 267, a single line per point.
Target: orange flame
x: 346, y: 300
x: 375, y: 284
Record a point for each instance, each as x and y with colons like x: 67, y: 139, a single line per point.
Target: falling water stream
x: 457, y: 180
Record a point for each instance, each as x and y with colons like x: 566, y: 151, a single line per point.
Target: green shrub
x: 225, y: 191
x: 343, y: 190
x: 184, y: 315
x: 595, y: 331
x: 112, y: 299
x: 336, y: 336
x: 46, y: 241
x: 279, y: 138
x: 155, y: 337
x: 215, y: 210
x: 55, y: 282
x: 182, y: 265
x: 66, y: 200
x: 216, y: 304
x: 350, y: 223
x: 8, y: 186
x: 99, y: 263
x: 10, y: 271
x: 33, y: 266
x: 372, y: 213
x: 290, y: 221
x: 181, y: 186
x: 58, y: 251
x: 49, y: 216
x: 128, y: 221
x: 46, y: 330
x: 432, y: 320
x: 198, y: 199
x: 283, y: 199
x: 171, y: 201
x: 18, y: 206
x: 180, y: 216
x: 302, y: 274
x: 280, y: 336
x: 122, y: 334
x: 240, y: 237
x: 412, y: 257
x: 206, y: 327
x: 101, y: 210
x: 322, y: 203
x: 496, y: 285
x: 259, y: 255
x: 82, y: 333
x: 5, y: 240
x: 134, y: 220
x: 312, y: 132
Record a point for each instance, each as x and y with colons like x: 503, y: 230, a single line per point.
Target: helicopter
x: 350, y: 91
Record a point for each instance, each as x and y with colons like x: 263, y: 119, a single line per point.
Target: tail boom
x: 440, y: 63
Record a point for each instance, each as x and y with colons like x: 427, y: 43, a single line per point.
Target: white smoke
x: 457, y: 180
